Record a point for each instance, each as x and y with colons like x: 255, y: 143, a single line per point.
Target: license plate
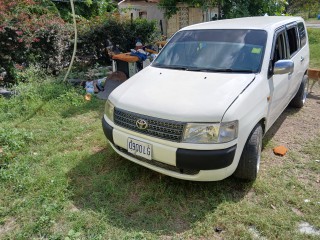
x: 139, y: 148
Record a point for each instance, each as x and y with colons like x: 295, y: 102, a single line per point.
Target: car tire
x: 249, y: 163
x: 301, y: 96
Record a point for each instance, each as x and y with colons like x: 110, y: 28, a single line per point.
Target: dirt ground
x: 294, y: 128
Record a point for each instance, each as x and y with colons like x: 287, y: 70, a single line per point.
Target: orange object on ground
x: 126, y: 57
x: 280, y: 150
x: 87, y: 97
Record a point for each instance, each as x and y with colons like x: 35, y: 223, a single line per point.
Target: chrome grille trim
x: 157, y: 127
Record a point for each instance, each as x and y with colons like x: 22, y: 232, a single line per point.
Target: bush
x: 96, y: 35
x: 30, y: 34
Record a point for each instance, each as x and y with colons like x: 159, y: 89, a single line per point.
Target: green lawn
x: 314, y: 40
x: 59, y: 179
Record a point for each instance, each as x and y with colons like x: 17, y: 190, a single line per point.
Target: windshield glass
x: 216, y: 50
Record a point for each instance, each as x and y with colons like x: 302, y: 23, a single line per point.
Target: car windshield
x: 215, y: 50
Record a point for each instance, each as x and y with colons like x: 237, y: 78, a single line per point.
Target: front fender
x: 249, y: 108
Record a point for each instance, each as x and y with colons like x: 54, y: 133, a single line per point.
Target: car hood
x: 180, y: 95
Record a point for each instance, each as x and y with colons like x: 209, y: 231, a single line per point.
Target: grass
x: 59, y: 179
x: 314, y: 40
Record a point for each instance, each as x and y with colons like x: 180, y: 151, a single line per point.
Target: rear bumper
x: 172, y: 161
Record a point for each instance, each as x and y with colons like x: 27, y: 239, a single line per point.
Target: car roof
x: 264, y: 22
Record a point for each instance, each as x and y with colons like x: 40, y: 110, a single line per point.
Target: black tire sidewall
x: 249, y: 163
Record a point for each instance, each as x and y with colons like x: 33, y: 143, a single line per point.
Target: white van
x: 200, y: 110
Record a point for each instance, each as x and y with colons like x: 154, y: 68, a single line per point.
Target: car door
x: 279, y: 84
x: 297, y: 57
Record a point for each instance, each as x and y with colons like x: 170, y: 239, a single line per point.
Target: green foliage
x: 314, y: 41
x: 12, y: 142
x: 31, y: 32
x: 87, y: 9
x: 305, y: 8
x: 169, y: 6
x: 31, y: 97
x: 94, y: 35
x: 314, y: 36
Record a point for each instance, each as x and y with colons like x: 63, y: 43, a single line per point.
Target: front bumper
x: 188, y: 164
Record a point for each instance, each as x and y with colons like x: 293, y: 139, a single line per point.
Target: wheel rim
x: 259, y: 153
x: 305, y: 91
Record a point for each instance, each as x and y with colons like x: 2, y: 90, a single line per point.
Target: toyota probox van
x: 200, y: 110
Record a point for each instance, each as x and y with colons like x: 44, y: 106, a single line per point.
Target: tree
x: 86, y: 8
x: 309, y: 7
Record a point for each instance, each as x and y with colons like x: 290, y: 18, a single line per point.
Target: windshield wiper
x: 171, y: 66
x: 220, y: 70
x: 197, y: 69
x: 240, y: 70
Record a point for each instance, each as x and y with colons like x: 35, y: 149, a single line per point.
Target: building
x: 150, y: 10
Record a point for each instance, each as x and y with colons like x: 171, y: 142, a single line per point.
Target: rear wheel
x: 249, y: 163
x: 301, y: 96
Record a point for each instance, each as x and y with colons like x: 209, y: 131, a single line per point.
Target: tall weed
x: 38, y: 92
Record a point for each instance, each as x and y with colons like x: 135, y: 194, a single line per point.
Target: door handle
x: 301, y: 59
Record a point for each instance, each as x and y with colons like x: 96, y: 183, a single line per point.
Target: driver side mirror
x: 283, y: 67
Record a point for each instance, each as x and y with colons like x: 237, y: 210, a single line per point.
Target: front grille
x: 160, y: 128
x: 160, y: 164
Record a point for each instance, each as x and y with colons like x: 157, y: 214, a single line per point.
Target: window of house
x: 143, y: 15
x: 302, y: 34
x: 293, y: 40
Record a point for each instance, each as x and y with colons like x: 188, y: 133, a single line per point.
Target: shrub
x: 94, y: 36
x: 29, y: 33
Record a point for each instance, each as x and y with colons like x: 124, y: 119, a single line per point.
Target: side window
x: 293, y: 40
x: 280, y: 48
x: 302, y: 34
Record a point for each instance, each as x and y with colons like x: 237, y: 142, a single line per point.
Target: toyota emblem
x: 142, y: 124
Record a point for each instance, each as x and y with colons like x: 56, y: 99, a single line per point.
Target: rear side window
x: 302, y: 34
x: 293, y: 40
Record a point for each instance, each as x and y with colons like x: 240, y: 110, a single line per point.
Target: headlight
x: 228, y: 131
x: 109, y: 109
x: 210, y: 132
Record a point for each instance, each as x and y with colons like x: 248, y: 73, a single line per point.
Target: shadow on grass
x: 289, y: 111
x: 314, y: 96
x: 137, y: 199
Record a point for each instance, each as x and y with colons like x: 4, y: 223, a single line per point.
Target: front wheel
x: 249, y: 163
x: 301, y: 96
